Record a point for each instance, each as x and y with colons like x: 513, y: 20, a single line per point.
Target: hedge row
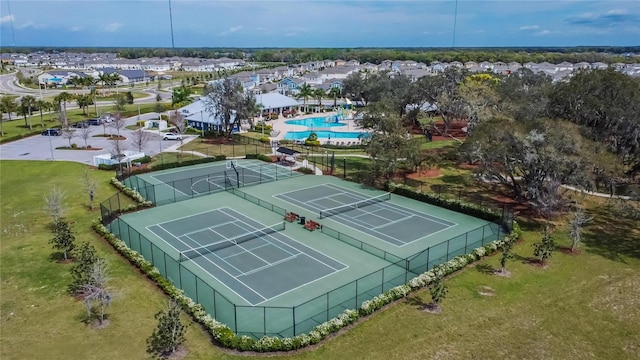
x: 474, y: 210
x: 188, y: 162
x: 141, y: 202
x: 261, y: 157
x: 227, y: 338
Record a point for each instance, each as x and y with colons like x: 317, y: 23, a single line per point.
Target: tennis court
x: 233, y: 252
x: 255, y: 261
x: 375, y: 216
x: 173, y: 185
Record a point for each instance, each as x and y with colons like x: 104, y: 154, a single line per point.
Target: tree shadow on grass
x: 58, y: 256
x: 485, y: 269
x: 612, y: 235
x: 416, y: 301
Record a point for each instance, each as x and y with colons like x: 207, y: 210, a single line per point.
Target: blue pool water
x: 303, y: 135
x: 316, y: 122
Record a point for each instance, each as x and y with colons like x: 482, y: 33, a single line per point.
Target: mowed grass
x: 580, y: 306
x: 38, y: 319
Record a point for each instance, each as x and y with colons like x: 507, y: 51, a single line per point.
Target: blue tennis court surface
x: 386, y: 221
x: 255, y: 261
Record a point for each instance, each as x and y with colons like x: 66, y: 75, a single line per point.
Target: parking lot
x: 40, y: 147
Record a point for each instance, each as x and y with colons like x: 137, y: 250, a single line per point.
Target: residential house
x: 58, y: 77
x: 289, y: 85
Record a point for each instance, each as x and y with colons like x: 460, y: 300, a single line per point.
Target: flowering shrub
x: 227, y: 338
x: 141, y: 202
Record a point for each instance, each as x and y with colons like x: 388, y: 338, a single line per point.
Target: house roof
x: 275, y: 101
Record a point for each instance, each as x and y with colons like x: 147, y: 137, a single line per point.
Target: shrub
x: 140, y: 123
x: 188, y: 162
x: 273, y: 116
x: 285, y: 142
x: 265, y: 139
x: 74, y: 146
x: 312, y: 142
x: 455, y: 205
x: 105, y: 167
x: 261, y: 157
x: 305, y: 170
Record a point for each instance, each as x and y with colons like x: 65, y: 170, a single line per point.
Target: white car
x: 172, y: 136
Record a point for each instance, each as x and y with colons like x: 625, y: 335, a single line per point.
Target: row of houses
x: 288, y: 79
x: 86, y: 62
x: 55, y: 78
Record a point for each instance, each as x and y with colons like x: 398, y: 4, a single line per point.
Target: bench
x: 312, y: 225
x: 291, y: 216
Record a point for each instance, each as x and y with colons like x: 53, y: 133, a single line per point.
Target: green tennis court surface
x: 254, y: 261
x: 375, y: 216
x: 233, y: 253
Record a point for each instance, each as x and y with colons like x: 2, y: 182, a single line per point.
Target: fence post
x: 327, y: 306
x: 448, y: 241
x: 466, y: 240
x: 293, y: 309
x: 235, y: 318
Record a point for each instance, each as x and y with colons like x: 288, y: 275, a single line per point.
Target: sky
x: 328, y: 23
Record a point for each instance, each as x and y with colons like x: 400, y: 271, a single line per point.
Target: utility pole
x: 173, y: 45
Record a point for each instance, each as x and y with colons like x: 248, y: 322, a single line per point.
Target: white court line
x: 335, y: 271
x: 208, y: 228
x: 214, y: 254
x: 213, y: 276
x: 207, y: 180
x: 392, y: 222
x: 158, y: 236
x: 265, y: 235
x: 269, y: 265
x: 301, y: 252
x: 193, y: 215
x: 416, y: 212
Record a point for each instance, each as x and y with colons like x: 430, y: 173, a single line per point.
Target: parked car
x: 52, y: 132
x: 172, y: 136
x: 80, y: 125
x: 94, y: 122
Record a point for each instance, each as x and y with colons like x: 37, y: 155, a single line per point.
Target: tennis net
x: 207, y: 249
x: 356, y: 205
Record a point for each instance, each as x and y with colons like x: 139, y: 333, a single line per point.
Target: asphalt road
x: 8, y: 85
x: 39, y: 148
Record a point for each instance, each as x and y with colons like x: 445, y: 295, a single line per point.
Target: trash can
x: 303, y: 220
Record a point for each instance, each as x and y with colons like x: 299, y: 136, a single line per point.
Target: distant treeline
x: 427, y: 56
x: 373, y: 55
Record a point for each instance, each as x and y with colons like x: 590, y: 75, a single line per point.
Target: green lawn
x: 584, y: 306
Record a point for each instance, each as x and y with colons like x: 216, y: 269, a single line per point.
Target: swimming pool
x: 303, y: 135
x: 317, y: 122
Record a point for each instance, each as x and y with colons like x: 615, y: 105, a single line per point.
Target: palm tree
x: 75, y: 81
x: 113, y: 79
x: 305, y: 92
x: 26, y: 104
x: 84, y: 100
x: 318, y: 94
x: 335, y: 93
x: 8, y: 104
x: 62, y: 98
x: 41, y: 105
x: 89, y: 81
x: 104, y: 78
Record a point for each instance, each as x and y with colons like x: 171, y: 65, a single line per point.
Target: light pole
x: 50, y: 143
x: 202, y: 123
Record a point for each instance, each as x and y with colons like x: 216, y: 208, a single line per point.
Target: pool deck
x: 281, y: 125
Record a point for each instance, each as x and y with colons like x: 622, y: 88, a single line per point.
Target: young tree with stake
x: 169, y: 334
